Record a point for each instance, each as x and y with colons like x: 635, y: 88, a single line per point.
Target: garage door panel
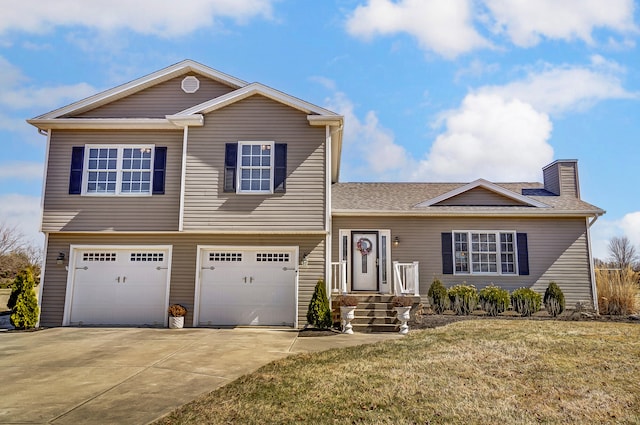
x: 242, y: 286
x: 119, y: 286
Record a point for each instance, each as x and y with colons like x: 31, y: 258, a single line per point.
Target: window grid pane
x: 255, y: 168
x: 102, y: 170
x: 461, y: 250
x: 484, y: 253
x: 136, y: 170
x: 507, y: 253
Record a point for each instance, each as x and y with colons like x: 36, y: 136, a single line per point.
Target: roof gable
x: 135, y: 86
x: 481, y: 193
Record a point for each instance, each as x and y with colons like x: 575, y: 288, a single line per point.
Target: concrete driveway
x: 134, y: 375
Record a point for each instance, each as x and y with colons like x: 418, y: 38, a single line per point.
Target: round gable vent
x: 190, y: 84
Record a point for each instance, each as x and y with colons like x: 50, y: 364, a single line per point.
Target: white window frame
x: 498, y: 252
x: 118, y: 170
x: 239, y: 167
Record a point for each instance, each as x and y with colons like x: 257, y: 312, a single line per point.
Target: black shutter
x: 159, y: 170
x: 75, y: 178
x: 447, y: 254
x: 523, y: 254
x: 280, y: 168
x: 230, y: 161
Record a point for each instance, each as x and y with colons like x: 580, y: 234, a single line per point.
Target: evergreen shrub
x: 438, y: 296
x: 463, y: 298
x: 23, y: 302
x: 494, y: 300
x: 526, y: 301
x: 319, y: 313
x: 554, y: 299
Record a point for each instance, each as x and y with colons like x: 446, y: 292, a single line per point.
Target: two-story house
x: 191, y: 186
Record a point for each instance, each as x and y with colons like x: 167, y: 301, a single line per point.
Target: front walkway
x: 134, y: 375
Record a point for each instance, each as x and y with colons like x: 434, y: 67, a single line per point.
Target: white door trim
x: 384, y: 288
x: 200, y: 248
x: 71, y: 269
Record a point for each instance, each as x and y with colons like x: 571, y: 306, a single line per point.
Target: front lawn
x: 471, y: 372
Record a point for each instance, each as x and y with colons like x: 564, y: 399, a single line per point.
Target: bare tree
x: 622, y: 253
x: 11, y: 239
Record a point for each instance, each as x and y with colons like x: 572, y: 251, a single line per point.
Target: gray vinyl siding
x: 569, y: 179
x: 256, y: 118
x: 64, y: 212
x: 552, y: 179
x: 557, y: 250
x: 183, y: 269
x: 162, y: 99
x: 480, y: 196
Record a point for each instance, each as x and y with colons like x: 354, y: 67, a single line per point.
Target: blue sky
x: 432, y: 90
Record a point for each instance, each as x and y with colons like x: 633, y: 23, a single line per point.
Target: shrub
x: 23, y: 302
x: 494, y: 300
x: 319, y: 314
x: 438, y: 297
x: 347, y: 301
x: 176, y: 310
x: 463, y: 298
x: 526, y: 301
x: 617, y: 291
x: 554, y: 299
x: 402, y: 301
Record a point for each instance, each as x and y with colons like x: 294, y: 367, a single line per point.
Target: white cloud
x: 16, y: 93
x: 566, y: 88
x: 527, y: 22
x: 604, y: 230
x: 21, y: 170
x: 23, y: 212
x: 370, y: 142
x: 163, y: 18
x: 442, y: 26
x: 489, y: 137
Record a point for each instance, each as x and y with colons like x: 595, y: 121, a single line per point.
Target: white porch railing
x: 405, y: 279
x: 339, y: 277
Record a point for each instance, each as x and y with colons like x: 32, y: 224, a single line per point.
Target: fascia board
x: 104, y: 123
x: 250, y: 90
x: 486, y: 185
x: 536, y: 214
x: 141, y: 83
x: 196, y: 120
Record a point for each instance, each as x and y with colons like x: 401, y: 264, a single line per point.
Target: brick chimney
x: 561, y: 178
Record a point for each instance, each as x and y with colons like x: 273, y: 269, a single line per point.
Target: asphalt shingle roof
x: 403, y: 198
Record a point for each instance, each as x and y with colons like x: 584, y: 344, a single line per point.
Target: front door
x: 364, y: 261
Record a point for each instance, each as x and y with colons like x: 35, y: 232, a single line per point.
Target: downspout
x: 46, y: 234
x: 183, y: 176
x: 327, y: 220
x: 594, y: 288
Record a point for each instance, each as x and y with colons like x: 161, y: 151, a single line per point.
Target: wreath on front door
x: 364, y: 245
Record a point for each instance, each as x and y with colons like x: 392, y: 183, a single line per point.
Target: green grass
x: 471, y: 372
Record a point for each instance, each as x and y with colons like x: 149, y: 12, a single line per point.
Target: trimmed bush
x: 463, y: 298
x: 23, y: 302
x: 554, y: 299
x: 438, y: 296
x: 494, y: 300
x: 526, y: 301
x: 319, y: 314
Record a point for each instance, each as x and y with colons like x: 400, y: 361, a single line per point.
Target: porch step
x: 374, y: 313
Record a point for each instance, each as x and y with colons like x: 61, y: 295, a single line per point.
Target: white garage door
x: 119, y: 286
x: 242, y: 286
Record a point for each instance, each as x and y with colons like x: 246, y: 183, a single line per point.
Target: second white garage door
x: 247, y: 286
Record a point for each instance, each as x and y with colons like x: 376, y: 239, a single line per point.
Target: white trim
x: 485, y: 185
x: 198, y: 232
x: 253, y: 89
x: 198, y: 284
x: 183, y: 177
x: 498, y: 271
x: 327, y: 225
x: 106, y: 123
x: 42, y: 270
x: 73, y: 252
x: 457, y: 213
x: 44, y: 180
x: 118, y: 170
x: 594, y: 287
x: 324, y: 120
x: 139, y: 84
x: 239, y: 167
x: 195, y: 120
